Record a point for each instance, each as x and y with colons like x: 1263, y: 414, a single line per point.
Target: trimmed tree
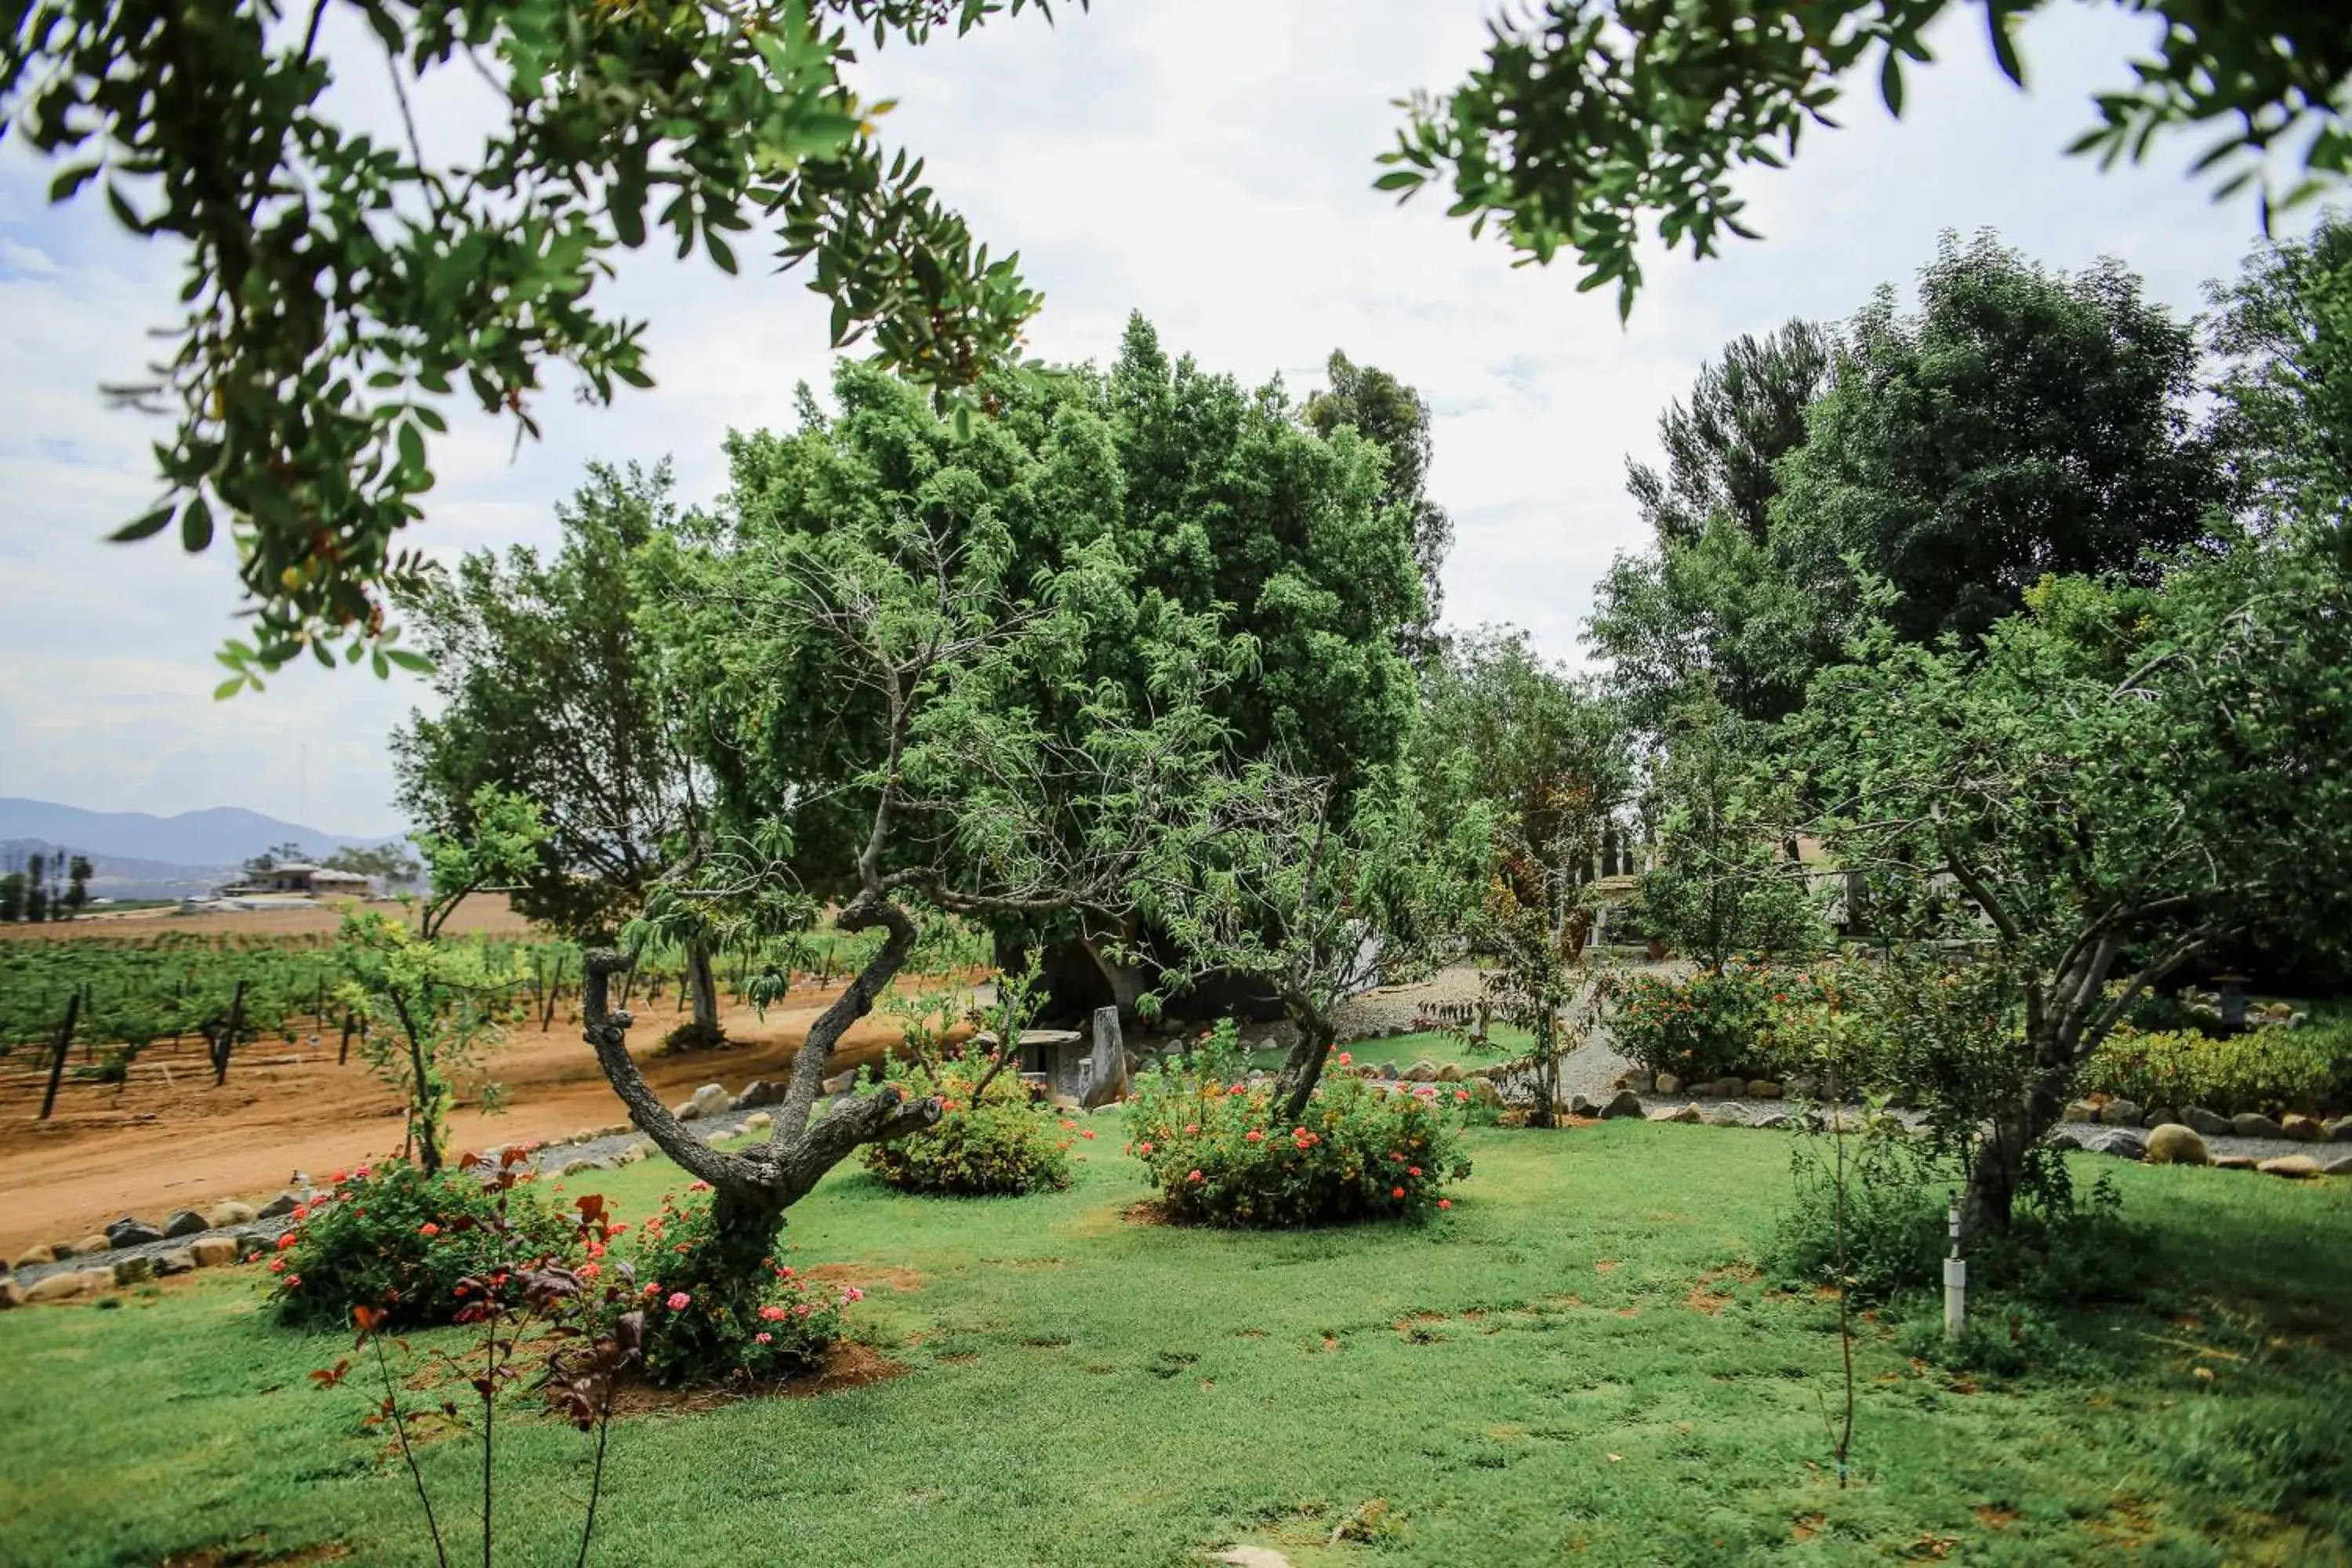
x: 923, y: 784
x: 2116, y: 781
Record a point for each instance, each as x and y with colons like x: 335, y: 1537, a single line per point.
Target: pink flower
x: 854, y: 1294
x: 302, y: 1213
x: 678, y: 1298
x: 590, y: 1270
x: 1254, y: 1136
x: 278, y: 1266
x: 772, y: 1313
x: 286, y: 1241
x: 1192, y: 1127
x: 1194, y: 1177
x: 698, y: 1186
x: 292, y: 1280
x: 1445, y: 1203
x: 1461, y: 1097
x: 361, y: 1174
x: 1144, y: 1147
x: 1346, y: 1060
x: 762, y: 1338
x: 428, y: 1228
x: 1412, y: 1170
x: 1087, y: 1134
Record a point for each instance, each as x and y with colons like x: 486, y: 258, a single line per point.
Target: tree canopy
x: 342, y: 285
x: 1587, y: 117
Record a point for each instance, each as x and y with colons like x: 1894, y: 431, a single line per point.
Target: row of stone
x: 68, y: 1284
x: 2294, y: 1127
x: 1669, y: 1083
x: 130, y: 1231
x: 2177, y: 1144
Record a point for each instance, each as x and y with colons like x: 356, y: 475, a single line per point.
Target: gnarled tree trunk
x: 754, y: 1186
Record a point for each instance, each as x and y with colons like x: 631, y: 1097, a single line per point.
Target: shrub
x: 713, y: 1316
x: 2270, y: 1070
x: 1000, y: 1142
x: 1709, y: 1026
x: 1209, y: 1142
x: 399, y: 1242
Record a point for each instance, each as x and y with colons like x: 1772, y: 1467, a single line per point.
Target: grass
x: 1577, y: 1363
x: 1505, y: 1042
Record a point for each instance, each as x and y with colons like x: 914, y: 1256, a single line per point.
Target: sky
x: 1208, y: 162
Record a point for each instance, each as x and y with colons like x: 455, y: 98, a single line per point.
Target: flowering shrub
x: 999, y: 1143
x: 401, y: 1243
x: 1708, y: 1025
x: 713, y: 1317
x: 1213, y: 1149
x: 2260, y: 1069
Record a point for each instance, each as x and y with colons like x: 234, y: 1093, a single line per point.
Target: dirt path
x: 155, y: 1146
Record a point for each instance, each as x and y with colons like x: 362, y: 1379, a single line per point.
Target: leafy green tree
x: 1724, y: 883
x: 1588, y: 116
x: 2282, y: 334
x: 1747, y: 412
x: 79, y: 872
x: 13, y: 894
x: 340, y: 282
x: 1168, y: 493
x: 37, y: 892
x: 390, y: 864
x: 2114, y: 782
x: 1318, y: 907
x: 495, y: 844
x: 551, y: 690
x: 876, y: 675
x: 2021, y: 423
x: 1395, y: 418
x: 431, y: 1011
x: 1721, y: 609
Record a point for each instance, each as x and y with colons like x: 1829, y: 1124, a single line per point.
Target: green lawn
x: 1571, y: 1364
x: 1504, y: 1043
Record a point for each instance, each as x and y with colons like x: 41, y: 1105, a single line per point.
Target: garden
x: 1054, y: 1008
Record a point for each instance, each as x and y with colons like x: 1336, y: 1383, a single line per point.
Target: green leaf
x: 228, y: 689
x: 2004, y: 51
x: 196, y: 526
x: 720, y: 251
x: 415, y: 663
x: 146, y: 527
x: 380, y: 665
x: 1890, y: 83
x: 66, y: 185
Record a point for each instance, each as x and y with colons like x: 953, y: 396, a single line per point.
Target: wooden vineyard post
x: 57, y: 1058
x: 227, y: 1042
x: 344, y: 1051
x: 547, y: 1016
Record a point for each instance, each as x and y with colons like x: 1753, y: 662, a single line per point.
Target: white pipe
x: 1956, y: 1277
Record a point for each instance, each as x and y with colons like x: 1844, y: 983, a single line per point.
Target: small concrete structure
x: 299, y: 877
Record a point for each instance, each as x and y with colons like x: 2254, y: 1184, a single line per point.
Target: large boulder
x: 1582, y: 1105
x: 841, y: 1082
x: 2303, y: 1128
x: 1763, y: 1088
x: 12, y: 1294
x: 229, y: 1212
x: 1727, y: 1116
x: 1774, y: 1121
x: 2121, y: 1113
x: 62, y: 1286
x: 281, y: 1205
x: 1669, y: 1083
x: 179, y: 1260
x: 2233, y: 1162
x: 33, y: 1257
x: 1639, y: 1081
x: 2341, y: 1165
x: 2294, y: 1167
x: 2254, y: 1124
x: 2121, y: 1141
x: 186, y: 1221
x: 1624, y: 1103
x: 1421, y: 1071
x: 2338, y: 1130
x: 2161, y: 1116
x: 2080, y: 1111
x: 1450, y: 1073
x: 2175, y: 1144
x: 1723, y: 1089
x: 130, y: 1231
x: 94, y: 1242
x: 1685, y: 1115
x: 133, y: 1269
x: 2211, y: 1123
x: 1483, y: 1093
x: 710, y: 1099
x: 214, y: 1251
x: 758, y: 1092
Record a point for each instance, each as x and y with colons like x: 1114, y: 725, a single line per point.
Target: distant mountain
x: 224, y: 836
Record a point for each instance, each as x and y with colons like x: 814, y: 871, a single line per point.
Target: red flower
x: 428, y: 1228
x: 1396, y: 1192
x: 1254, y: 1136
x: 1445, y: 1203
x: 1414, y: 1171
x: 1144, y: 1147
x: 1194, y: 1177
x: 678, y: 1301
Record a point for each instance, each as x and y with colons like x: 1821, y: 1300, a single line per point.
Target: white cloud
x: 1209, y: 164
